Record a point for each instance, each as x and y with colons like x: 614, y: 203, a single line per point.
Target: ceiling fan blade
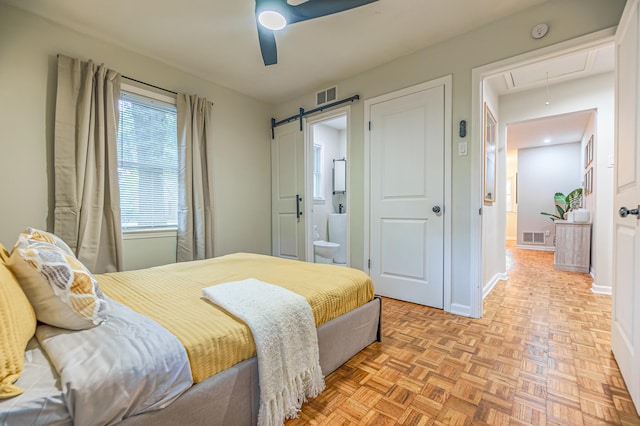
x: 316, y: 8
x: 310, y: 9
x: 268, y: 46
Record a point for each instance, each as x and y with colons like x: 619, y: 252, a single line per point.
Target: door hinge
x: 480, y: 211
x: 369, y: 126
x: 369, y: 264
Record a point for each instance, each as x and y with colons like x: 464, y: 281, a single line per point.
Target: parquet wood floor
x: 541, y: 355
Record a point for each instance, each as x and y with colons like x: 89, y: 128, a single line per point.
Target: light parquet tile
x: 540, y: 356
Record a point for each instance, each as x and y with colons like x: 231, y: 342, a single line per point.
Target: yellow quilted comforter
x: 214, y: 340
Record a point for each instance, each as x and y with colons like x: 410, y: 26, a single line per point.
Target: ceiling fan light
x: 272, y: 20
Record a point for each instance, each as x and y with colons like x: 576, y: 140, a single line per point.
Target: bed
x: 220, y: 350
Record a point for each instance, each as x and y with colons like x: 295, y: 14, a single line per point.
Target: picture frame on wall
x: 490, y: 152
x: 586, y: 158
x: 588, y: 152
x: 585, y: 183
x: 588, y: 181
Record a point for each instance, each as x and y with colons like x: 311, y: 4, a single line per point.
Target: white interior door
x: 407, y: 139
x: 625, y: 318
x: 288, y: 192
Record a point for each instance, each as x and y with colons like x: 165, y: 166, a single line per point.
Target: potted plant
x: 565, y: 203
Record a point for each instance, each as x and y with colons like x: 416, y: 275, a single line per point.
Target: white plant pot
x: 581, y: 216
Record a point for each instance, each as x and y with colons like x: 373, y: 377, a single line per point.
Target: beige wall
x: 494, y: 265
x: 506, y: 38
x: 28, y: 48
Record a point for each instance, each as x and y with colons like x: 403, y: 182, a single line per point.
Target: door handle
x: 436, y: 209
x: 298, y: 211
x: 624, y: 212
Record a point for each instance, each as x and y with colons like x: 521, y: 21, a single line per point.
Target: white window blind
x: 147, y: 163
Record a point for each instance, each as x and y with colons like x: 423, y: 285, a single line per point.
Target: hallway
x: 539, y: 356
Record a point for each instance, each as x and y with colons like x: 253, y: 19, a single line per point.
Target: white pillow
x: 61, y: 289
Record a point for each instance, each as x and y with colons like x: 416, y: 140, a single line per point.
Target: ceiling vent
x: 327, y: 95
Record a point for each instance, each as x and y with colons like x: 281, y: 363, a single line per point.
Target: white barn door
x: 407, y: 163
x: 625, y: 318
x: 288, y: 192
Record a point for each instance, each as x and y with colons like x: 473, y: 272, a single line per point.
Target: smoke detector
x: 539, y: 31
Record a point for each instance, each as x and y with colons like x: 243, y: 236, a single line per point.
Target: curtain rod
x: 150, y: 85
x: 141, y: 82
x: 302, y: 113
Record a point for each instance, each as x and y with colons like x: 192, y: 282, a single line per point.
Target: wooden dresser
x: 573, y: 246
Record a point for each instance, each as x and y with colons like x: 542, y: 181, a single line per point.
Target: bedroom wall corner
x: 29, y: 45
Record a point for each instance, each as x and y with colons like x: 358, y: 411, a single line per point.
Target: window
x: 318, y: 190
x: 147, y: 161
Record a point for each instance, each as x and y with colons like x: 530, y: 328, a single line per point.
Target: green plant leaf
x: 560, y: 198
x: 574, y: 199
x: 565, y: 203
x: 552, y: 216
x: 576, y: 193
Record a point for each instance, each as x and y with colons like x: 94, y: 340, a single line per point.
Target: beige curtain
x: 87, y: 199
x: 195, y: 197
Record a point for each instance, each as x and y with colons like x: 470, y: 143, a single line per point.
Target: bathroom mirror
x: 339, y: 176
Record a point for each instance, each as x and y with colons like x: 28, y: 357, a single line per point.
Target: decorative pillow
x: 47, y: 237
x: 17, y: 326
x: 61, y: 289
x: 4, y: 254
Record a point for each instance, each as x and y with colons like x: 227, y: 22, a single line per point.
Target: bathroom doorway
x: 326, y: 138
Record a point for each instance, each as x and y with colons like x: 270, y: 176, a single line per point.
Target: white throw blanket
x: 286, y: 340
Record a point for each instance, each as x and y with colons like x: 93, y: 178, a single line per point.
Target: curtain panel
x: 195, y: 196
x: 87, y: 198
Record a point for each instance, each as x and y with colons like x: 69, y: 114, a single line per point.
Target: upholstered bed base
x: 232, y: 396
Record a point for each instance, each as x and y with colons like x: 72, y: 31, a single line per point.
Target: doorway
x: 327, y: 171
x: 553, y: 81
x: 545, y: 156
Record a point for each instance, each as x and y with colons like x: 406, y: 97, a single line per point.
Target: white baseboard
x: 464, y: 310
x: 500, y: 276
x: 539, y: 248
x: 601, y: 289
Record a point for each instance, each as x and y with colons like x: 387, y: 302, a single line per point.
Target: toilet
x: 323, y: 251
x: 338, y: 234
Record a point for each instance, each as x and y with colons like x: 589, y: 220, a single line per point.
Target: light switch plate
x: 462, y: 148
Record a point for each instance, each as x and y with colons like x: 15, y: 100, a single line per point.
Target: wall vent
x: 533, y: 237
x: 327, y: 95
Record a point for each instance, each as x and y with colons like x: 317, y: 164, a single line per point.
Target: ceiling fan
x: 274, y: 15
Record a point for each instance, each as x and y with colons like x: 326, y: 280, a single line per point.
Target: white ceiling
x: 556, y: 70
x: 338, y: 123
x: 558, y: 129
x: 554, y: 130
x: 217, y: 39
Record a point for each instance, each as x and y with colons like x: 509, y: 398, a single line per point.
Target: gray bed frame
x: 232, y: 396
